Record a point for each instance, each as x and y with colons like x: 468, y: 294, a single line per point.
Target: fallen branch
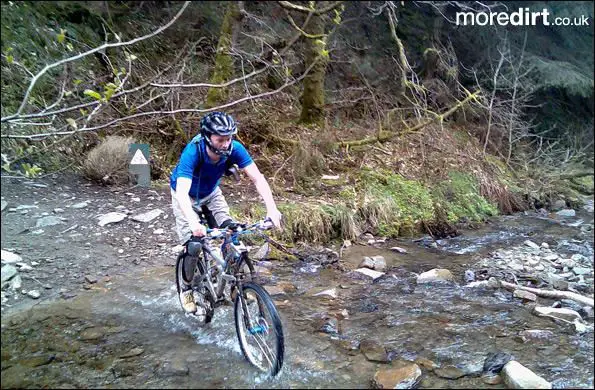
x: 573, y: 175
x: 385, y: 136
x: 550, y: 293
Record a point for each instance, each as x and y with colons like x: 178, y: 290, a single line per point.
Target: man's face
x: 221, y: 142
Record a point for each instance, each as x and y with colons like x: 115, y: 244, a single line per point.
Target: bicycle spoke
x: 264, y: 349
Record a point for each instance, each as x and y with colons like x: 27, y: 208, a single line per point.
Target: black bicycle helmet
x: 218, y: 123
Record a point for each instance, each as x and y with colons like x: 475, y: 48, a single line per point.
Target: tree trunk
x: 223, y: 60
x: 313, y: 94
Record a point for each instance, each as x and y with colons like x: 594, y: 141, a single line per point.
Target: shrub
x: 107, y: 163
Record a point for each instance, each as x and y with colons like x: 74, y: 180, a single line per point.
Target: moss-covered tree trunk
x: 223, y: 60
x: 313, y: 94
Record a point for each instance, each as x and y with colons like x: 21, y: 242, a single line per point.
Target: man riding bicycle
x: 196, y: 177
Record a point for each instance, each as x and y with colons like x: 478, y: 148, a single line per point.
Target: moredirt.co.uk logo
x: 522, y: 17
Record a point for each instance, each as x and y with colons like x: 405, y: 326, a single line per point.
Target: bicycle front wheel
x: 259, y: 329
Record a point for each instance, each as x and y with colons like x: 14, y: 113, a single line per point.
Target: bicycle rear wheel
x: 202, y: 296
x: 259, y: 329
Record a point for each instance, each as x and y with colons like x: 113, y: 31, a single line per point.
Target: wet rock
x: 33, y: 294
x: 90, y: 279
x: 4, y: 204
x: 398, y: 378
x: 551, y: 257
x: 123, y: 368
x: 566, y: 213
x: 350, y: 346
x: 524, y: 295
x: 561, y: 313
x: 449, y: 372
x: 9, y: 257
x: 16, y: 283
x: 80, y: 205
x: 24, y: 267
x: 582, y: 271
x: 148, y: 216
x: 377, y: 263
x: 133, y: 352
x: 274, y: 290
x: 36, y: 361
x: 517, y: 376
x: 48, y: 221
x: 374, y: 351
x: 371, y: 273
x: 426, y: 363
x: 92, y: 334
x: 495, y: 361
x: 175, y: 367
x: 398, y: 249
x: 332, y: 293
x: 435, y: 275
x: 8, y: 271
x: 491, y: 379
x: 531, y: 244
x: 330, y: 326
x: 112, y: 217
x: 535, y: 334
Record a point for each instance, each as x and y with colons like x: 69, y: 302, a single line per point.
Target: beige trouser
x: 216, y: 204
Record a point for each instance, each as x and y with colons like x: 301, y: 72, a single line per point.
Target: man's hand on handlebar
x: 200, y: 232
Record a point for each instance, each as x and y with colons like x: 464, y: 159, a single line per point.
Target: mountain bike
x: 226, y: 275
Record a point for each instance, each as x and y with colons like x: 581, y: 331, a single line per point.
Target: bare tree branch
x: 79, y: 56
x: 142, y: 114
x: 294, y: 7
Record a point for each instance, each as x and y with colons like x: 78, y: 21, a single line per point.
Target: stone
x: 582, y: 271
x: 560, y: 313
x: 8, y: 271
x: 495, y: 361
x: 398, y: 378
x: 449, y: 372
x: 566, y: 213
x: 371, y: 273
x: 81, y: 205
x: 531, y: 244
x: 535, y: 334
x: 9, y: 257
x: 92, y: 334
x: 332, y: 293
x: 112, y: 217
x: 16, y: 283
x: 274, y: 290
x: 469, y: 276
x: 133, y: 352
x: 50, y: 220
x: 517, y: 376
x: 374, y: 351
x: 398, y: 249
x: 148, y: 216
x: 33, y: 294
x: 524, y: 295
x: 435, y: 275
x: 491, y: 379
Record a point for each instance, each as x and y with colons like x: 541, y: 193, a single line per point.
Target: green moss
x: 393, y: 204
x: 460, y: 198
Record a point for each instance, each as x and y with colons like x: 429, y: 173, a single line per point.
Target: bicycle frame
x: 233, y: 249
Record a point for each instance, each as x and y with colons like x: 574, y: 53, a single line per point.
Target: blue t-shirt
x: 206, y: 179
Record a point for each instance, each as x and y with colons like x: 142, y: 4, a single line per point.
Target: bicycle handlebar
x: 265, y: 224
